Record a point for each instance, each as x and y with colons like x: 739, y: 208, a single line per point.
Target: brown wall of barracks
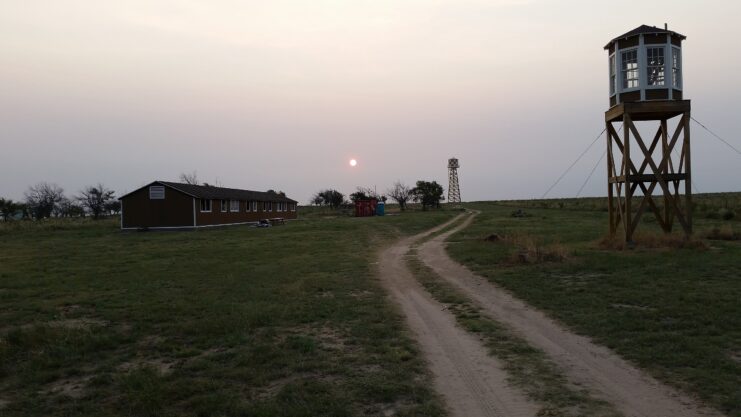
x: 216, y: 216
x: 176, y: 210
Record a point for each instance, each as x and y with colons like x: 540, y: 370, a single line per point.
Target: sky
x: 281, y: 94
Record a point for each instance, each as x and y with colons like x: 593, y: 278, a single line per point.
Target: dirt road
x: 608, y: 376
x: 472, y: 383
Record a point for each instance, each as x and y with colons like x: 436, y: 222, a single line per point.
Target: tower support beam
x: 629, y: 182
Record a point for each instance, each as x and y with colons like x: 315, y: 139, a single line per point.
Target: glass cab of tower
x: 645, y: 64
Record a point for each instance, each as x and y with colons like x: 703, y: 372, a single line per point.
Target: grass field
x: 290, y: 321
x: 284, y: 321
x: 675, y: 312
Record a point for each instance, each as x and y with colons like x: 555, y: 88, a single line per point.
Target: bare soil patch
x: 78, y: 323
x: 73, y: 387
x: 472, y: 383
x: 163, y: 366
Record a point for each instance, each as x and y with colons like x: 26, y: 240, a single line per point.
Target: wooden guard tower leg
x: 610, y: 185
x: 655, y: 171
x: 627, y: 215
x: 666, y: 156
x: 688, y: 179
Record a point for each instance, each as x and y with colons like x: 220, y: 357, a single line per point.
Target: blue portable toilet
x: 380, y: 208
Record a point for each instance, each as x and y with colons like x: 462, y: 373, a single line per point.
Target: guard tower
x: 454, y: 189
x: 645, y: 79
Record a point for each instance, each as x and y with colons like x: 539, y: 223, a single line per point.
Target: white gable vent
x: 157, y: 192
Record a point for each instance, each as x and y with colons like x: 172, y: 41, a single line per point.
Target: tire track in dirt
x: 472, y: 383
x: 606, y: 375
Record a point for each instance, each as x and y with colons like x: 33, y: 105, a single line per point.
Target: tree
x: 428, y: 193
x: 359, y: 195
x: 95, y: 198
x: 401, y: 193
x: 334, y: 198
x: 329, y: 197
x: 364, y: 193
x: 25, y: 211
x: 317, y: 199
x: 8, y: 208
x: 113, y: 206
x: 68, y: 208
x: 189, y: 178
x: 42, y: 198
x: 62, y: 207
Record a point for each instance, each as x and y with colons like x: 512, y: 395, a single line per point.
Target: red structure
x: 365, y: 208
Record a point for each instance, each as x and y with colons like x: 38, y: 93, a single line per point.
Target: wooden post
x: 610, y: 185
x: 688, y: 170
x: 667, y: 195
x: 627, y: 218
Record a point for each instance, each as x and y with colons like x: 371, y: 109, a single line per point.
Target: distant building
x: 365, y: 208
x: 170, y: 205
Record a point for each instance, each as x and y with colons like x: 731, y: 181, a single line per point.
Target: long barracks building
x: 170, y: 205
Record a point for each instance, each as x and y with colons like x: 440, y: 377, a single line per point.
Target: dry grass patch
x: 725, y: 232
x: 73, y: 387
x: 648, y: 240
x: 163, y: 366
x: 533, y: 250
x: 529, y: 249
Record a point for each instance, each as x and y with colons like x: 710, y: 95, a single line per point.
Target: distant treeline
x: 45, y: 200
x: 428, y: 193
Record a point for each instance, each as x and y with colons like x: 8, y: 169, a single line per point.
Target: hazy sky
x: 282, y: 93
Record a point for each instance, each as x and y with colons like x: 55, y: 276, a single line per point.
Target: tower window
x: 655, y: 67
x: 612, y: 74
x: 676, y: 68
x: 630, y: 68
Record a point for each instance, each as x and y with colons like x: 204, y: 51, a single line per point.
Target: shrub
x: 723, y: 233
x: 649, y: 240
x: 531, y: 250
x: 726, y: 214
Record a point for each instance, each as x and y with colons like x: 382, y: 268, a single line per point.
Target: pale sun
x: 353, y: 162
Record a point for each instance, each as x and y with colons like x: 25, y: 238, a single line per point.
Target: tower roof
x: 642, y: 30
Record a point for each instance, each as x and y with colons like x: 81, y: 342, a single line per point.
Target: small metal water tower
x: 454, y: 189
x: 645, y: 84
